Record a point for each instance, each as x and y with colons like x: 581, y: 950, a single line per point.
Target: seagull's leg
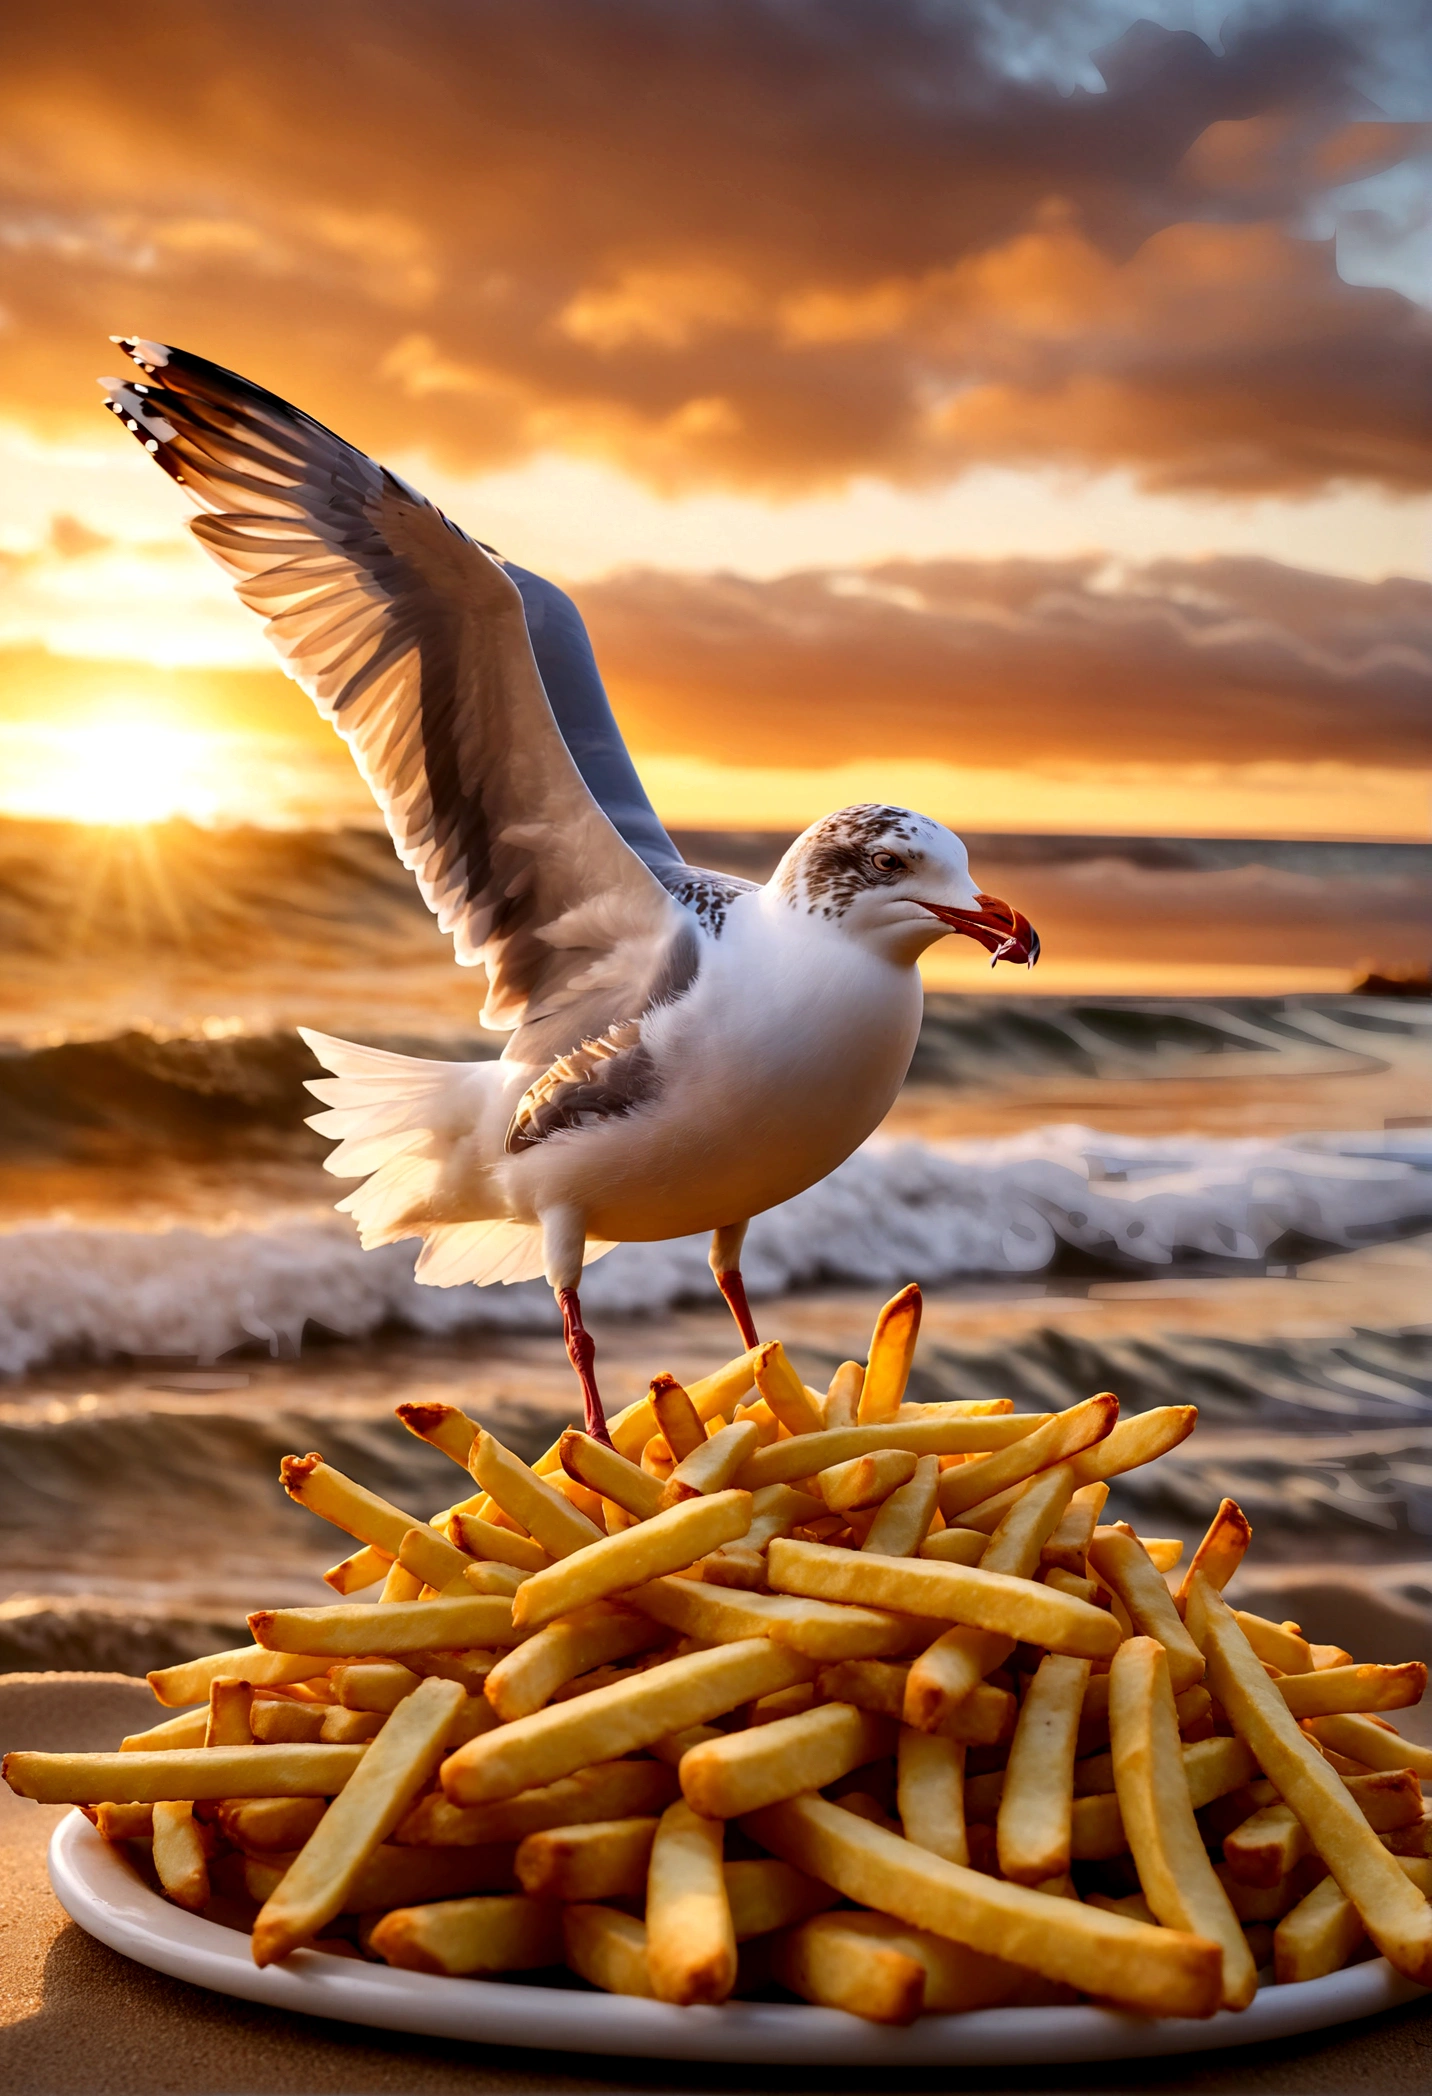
x: 564, y: 1243
x: 726, y: 1266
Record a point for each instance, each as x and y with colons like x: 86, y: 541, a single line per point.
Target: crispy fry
x: 444, y: 1426
x: 785, y: 1393
x: 497, y: 1934
x: 1323, y: 1931
x: 437, y: 1563
x: 1263, y: 1848
x: 618, y: 1720
x: 765, y: 1894
x: 961, y: 1435
x: 1154, y: 1802
x: 1331, y: 1690
x: 1124, y: 1566
x: 350, y: 1628
x: 959, y: 1593
x: 366, y: 1811
x: 954, y: 1546
x: 1017, y: 1543
x: 930, y: 1794
x: 189, y: 1681
x: 673, y: 1745
x: 892, y: 1349
x: 274, y: 1718
x: 1220, y: 1553
x: 483, y: 1578
x: 1375, y: 1746
x: 1159, y: 1971
x: 690, y: 1941
x: 1414, y: 1839
x: 1059, y: 1438
x: 180, y: 1858
x: 601, y: 1791
x: 1037, y: 1804
x: 721, y: 1615
x: 400, y: 1585
x: 903, y: 1522
x: 616, y: 1563
x: 189, y: 1729
x: 1068, y: 1547
x: 227, y: 1723
x: 272, y: 1824
x: 1399, y: 1923
x: 336, y: 1498
x: 607, y: 1947
x: 745, y: 1770
x: 500, y: 1546
x: 183, y: 1773
x: 363, y: 1569
x: 1280, y: 1644
x: 341, y: 1727
x: 842, y: 1399
x: 547, y: 1517
x: 1192, y: 1705
x: 1070, y: 1583
x: 866, y: 1480
x: 677, y: 1419
x: 711, y: 1467
x: 605, y: 1859
x: 1132, y: 1443
x: 713, y: 1396
x: 399, y: 1877
x: 838, y: 1967
x: 1324, y: 1656
x: 1212, y: 1767
x: 527, y: 1677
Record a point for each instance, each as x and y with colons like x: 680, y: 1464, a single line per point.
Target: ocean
x: 1223, y: 1198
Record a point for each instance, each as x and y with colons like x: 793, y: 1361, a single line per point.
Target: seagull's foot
x: 582, y: 1353
x: 734, y: 1289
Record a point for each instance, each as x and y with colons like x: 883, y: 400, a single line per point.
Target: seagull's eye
x: 886, y: 862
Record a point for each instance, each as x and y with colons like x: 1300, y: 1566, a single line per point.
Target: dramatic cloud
x: 769, y: 242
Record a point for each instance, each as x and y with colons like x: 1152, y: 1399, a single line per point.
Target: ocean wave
x: 893, y: 1212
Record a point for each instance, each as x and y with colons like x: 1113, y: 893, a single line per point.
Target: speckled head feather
x: 838, y: 857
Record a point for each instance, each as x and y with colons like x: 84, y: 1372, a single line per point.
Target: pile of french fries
x: 839, y: 1694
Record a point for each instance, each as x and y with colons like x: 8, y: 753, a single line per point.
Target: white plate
x: 100, y: 1890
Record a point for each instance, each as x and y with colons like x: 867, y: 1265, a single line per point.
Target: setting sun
x: 114, y: 771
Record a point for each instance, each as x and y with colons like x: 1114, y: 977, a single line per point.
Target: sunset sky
x: 1014, y: 408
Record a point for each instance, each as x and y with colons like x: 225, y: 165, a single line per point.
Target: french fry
x: 180, y: 1858
x: 444, y: 1427
x: 227, y: 1722
x: 1036, y: 1808
x: 1280, y: 1644
x: 954, y: 1593
x: 189, y: 1729
x: 745, y: 1770
x: 843, y: 1968
x: 1129, y: 1445
x: 366, y: 1811
x: 400, y: 1585
x: 610, y: 1722
x: 399, y: 1877
x: 336, y: 1498
x: 1324, y: 1656
x: 616, y: 1563
x: 1332, y: 1690
x: 765, y: 1894
x: 1068, y: 1547
x: 363, y: 1569
x: 677, y: 1419
x: 711, y: 1467
x: 500, y: 1546
x: 1158, y: 1971
x: 502, y: 1933
x: 713, y: 1396
x: 349, y: 1629
x: 721, y: 1615
x: 690, y: 1941
x: 785, y: 1393
x: 189, y: 1681
x: 608, y: 1948
x: 124, y: 1822
x: 1192, y: 1705
x: 1363, y: 1739
x: 528, y: 1676
x: 1212, y: 1767
x: 1059, y: 1438
x: 1412, y: 1840
x: 600, y: 1468
x: 903, y: 1522
x: 1398, y: 1921
x: 892, y: 1349
x: 1264, y: 1847
x: 1126, y: 1569
x: 775, y: 1511
x: 930, y: 1794
x: 437, y: 1563
x: 547, y: 1517
x: 1018, y: 1542
x: 842, y: 1399
x: 341, y: 1727
x: 956, y: 1978
x: 185, y: 1774
x: 601, y: 1791
x: 1070, y: 1583
x: 276, y: 1825
x: 866, y: 1480
x: 1154, y: 1802
x: 870, y: 1684
x: 954, y: 1546
x: 605, y: 1859
x: 962, y: 1435
x: 273, y: 1719
x: 673, y: 1745
x: 1220, y: 1553
x: 484, y: 1578
x: 1323, y: 1931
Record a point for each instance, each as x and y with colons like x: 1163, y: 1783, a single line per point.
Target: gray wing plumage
x: 417, y: 646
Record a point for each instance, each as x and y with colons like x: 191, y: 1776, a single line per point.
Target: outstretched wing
x: 414, y: 643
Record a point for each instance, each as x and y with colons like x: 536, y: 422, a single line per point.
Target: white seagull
x: 687, y: 1049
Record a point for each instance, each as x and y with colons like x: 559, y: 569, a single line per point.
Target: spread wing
x: 414, y: 643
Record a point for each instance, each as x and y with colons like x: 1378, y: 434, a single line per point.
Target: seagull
x: 687, y: 1049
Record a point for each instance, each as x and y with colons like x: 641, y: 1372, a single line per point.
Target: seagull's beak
x: 999, y: 929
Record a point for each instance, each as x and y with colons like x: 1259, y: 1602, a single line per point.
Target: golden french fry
x: 273, y: 1719
x: 1124, y: 1566
x: 1221, y: 1552
x: 892, y: 1349
x: 399, y: 1877
x: 608, y: 1948
x: 1321, y: 1656
x: 948, y: 1671
x: 673, y: 1745
x: 124, y: 1822
x: 484, y: 1578
x: 903, y: 1522
x: 953, y: 1593
x: 842, y: 1399
x: 1018, y: 1541
x: 677, y: 1419
x: 955, y: 1978
x: 1132, y: 1443
x: 501, y: 1933
x: 401, y: 1585
x: 348, y: 1629
x: 609, y: 1722
x: 1263, y: 1848
x: 1036, y: 1808
x: 745, y: 1770
x: 366, y: 1811
x: 189, y: 1729
x: 547, y: 1517
x: 1282, y: 1645
x: 1154, y: 1802
x: 785, y: 1393
x: 341, y: 1727
x: 1398, y: 1921
x: 1070, y: 1583
x: 930, y: 1794
x: 805, y: 1455
x: 189, y: 1681
x: 527, y: 1677
x: 499, y: 1546
x: 711, y: 1466
x: 616, y: 1563
x: 722, y: 1615
x: 334, y: 1497
x: 227, y: 1723
x: 1376, y: 1747
x: 1056, y: 1441
x: 1158, y: 1971
x: 690, y: 1941
x: 1332, y: 1690
x: 1212, y: 1768
x: 444, y: 1426
x: 271, y: 1824
x: 1412, y: 1840
x: 866, y: 1480
x: 180, y: 1860
x: 1323, y: 1931
x: 713, y: 1396
x: 870, y: 1684
x: 602, y: 1791
x: 182, y: 1773
x: 838, y: 1967
x: 431, y: 1559
x: 775, y: 1511
x: 363, y: 1569
x: 604, y: 1859
x: 954, y: 1546
x: 765, y: 1894
x: 1068, y: 1547
x: 603, y: 1470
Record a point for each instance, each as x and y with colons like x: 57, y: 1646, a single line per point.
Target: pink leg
x: 581, y: 1352
x: 734, y: 1289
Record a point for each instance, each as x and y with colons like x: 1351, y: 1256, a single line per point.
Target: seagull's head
x: 897, y: 881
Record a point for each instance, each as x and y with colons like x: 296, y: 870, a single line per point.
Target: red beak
x: 999, y: 929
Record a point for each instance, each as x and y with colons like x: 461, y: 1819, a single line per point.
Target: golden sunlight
x: 114, y: 771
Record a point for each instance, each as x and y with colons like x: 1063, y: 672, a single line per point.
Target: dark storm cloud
x: 769, y: 242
